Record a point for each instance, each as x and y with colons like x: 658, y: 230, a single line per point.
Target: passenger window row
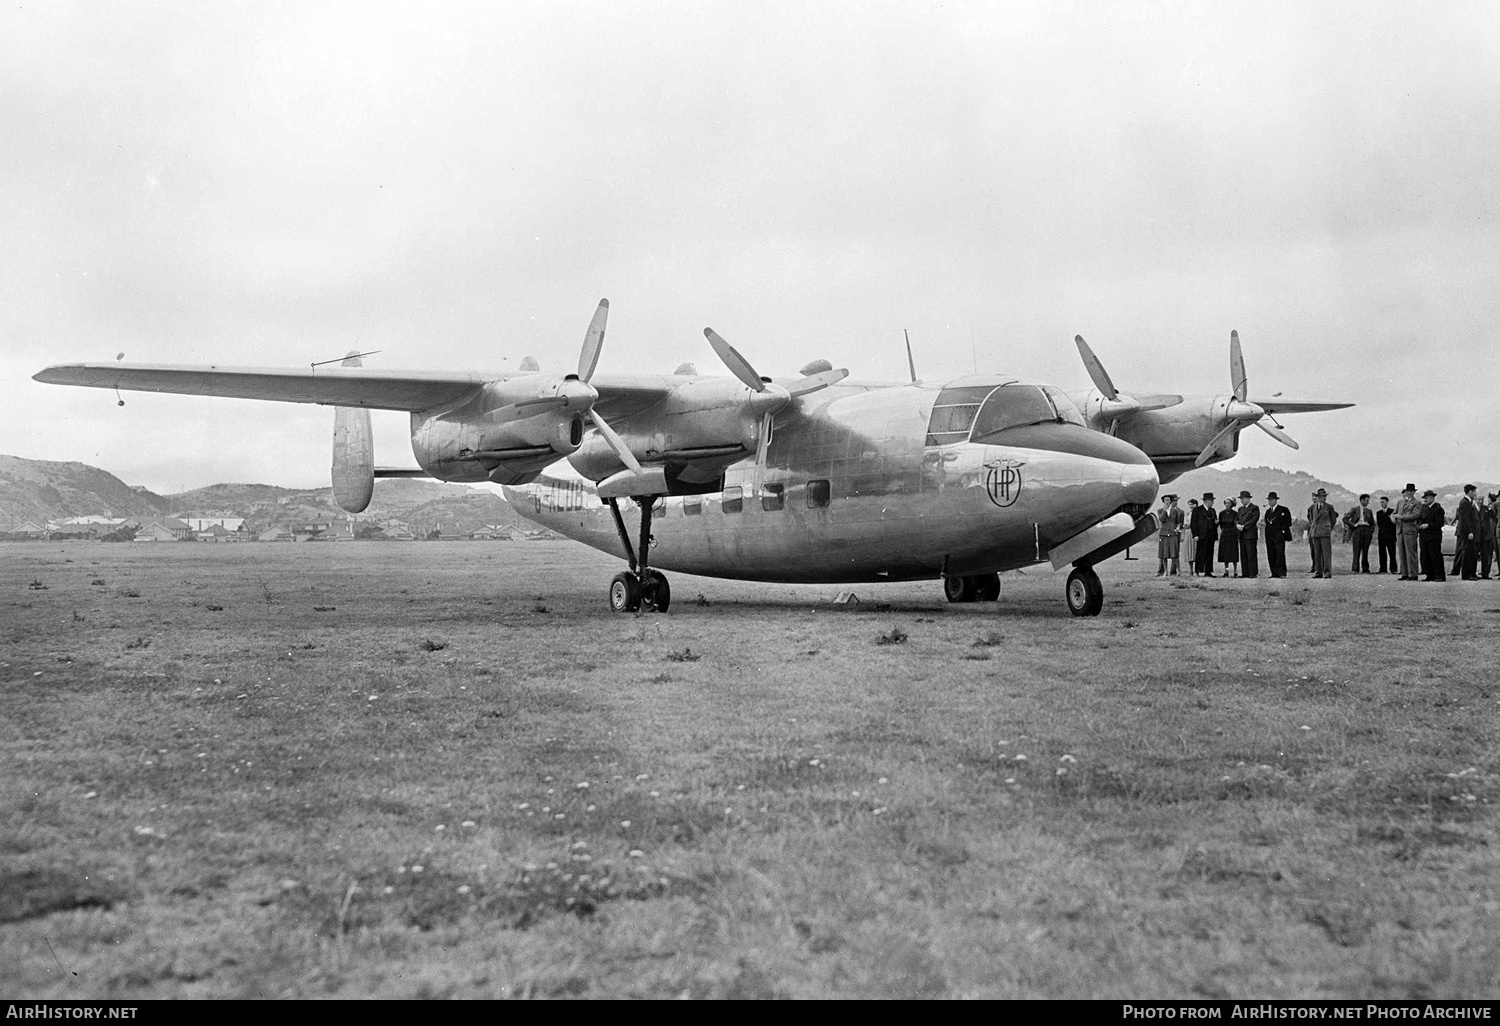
x: 772, y: 498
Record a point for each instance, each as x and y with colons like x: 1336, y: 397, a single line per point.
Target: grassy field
x: 446, y: 769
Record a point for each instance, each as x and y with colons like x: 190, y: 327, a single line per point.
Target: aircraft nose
x: 1140, y: 482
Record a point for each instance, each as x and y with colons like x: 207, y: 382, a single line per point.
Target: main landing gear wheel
x: 655, y: 592
x: 1084, y: 592
x: 972, y: 588
x: 624, y: 593
x: 959, y: 589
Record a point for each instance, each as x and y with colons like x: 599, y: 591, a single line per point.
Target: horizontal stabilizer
x: 402, y: 472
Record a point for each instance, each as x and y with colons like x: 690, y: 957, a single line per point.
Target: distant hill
x: 40, y: 490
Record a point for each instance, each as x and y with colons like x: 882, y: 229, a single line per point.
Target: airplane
x: 816, y: 479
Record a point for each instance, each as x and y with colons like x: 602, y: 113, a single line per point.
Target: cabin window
x: 734, y: 500
x: 692, y: 507
x: 818, y: 494
x: 772, y: 497
x: 953, y: 413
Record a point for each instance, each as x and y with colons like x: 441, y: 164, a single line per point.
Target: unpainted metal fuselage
x: 852, y: 489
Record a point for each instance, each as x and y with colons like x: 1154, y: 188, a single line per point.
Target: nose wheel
x: 1084, y: 592
x: 640, y: 587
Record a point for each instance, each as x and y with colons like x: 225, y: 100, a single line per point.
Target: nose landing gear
x: 639, y: 586
x: 1084, y: 592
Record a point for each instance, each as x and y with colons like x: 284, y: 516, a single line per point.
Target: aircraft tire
x: 1084, y: 593
x: 987, y: 587
x: 959, y: 589
x: 625, y: 593
x: 656, y: 593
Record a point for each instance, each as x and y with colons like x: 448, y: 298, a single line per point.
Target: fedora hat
x: 1272, y: 495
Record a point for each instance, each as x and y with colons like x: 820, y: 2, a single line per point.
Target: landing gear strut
x: 1084, y: 592
x: 640, y: 585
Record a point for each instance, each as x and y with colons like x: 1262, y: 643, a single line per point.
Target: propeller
x: 767, y: 398
x: 1240, y: 411
x: 1115, y: 404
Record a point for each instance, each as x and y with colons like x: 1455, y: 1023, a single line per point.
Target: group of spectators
x: 1408, y: 536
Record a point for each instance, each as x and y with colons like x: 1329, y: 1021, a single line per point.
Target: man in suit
x: 1385, y: 536
x: 1489, y: 520
x: 1408, y: 510
x: 1320, y: 520
x: 1361, y: 524
x: 1247, y: 520
x: 1466, y: 524
x: 1278, y: 533
x: 1205, y: 528
x: 1192, y: 547
x: 1430, y: 526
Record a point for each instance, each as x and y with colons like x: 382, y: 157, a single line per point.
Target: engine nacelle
x: 708, y: 423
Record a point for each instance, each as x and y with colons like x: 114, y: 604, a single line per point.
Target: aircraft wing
x: 1274, y: 406
x: 410, y: 390
x: 333, y: 386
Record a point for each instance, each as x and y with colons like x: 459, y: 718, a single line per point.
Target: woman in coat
x: 1229, y: 540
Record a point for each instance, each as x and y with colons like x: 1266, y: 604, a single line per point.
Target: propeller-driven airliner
x: 816, y: 479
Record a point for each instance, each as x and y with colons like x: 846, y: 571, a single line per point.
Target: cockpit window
x: 953, y: 413
x: 1017, y: 405
x: 1066, y: 411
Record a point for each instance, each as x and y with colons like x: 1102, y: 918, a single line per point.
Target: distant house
x: 155, y: 532
x: 275, y: 534
x: 201, y: 524
x: 30, y: 530
x: 491, y: 532
x: 397, y: 534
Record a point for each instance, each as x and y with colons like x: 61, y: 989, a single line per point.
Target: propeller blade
x: 615, y: 441
x: 1238, y: 382
x: 815, y: 382
x: 1278, y: 434
x: 593, y: 342
x: 737, y: 364
x: 1097, y: 373
x: 524, y: 409
x: 1156, y: 402
x: 1213, y: 446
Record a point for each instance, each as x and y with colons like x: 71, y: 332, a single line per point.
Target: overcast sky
x: 458, y: 185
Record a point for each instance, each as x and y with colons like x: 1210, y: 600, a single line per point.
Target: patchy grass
x: 1259, y: 800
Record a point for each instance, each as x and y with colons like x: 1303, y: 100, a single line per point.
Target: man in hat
x: 1247, y: 519
x: 1408, y: 510
x: 1278, y: 533
x: 1320, y: 520
x: 1430, y: 525
x: 1361, y: 524
x: 1205, y: 528
x: 1385, y: 535
x: 1466, y: 525
x: 1168, y: 535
